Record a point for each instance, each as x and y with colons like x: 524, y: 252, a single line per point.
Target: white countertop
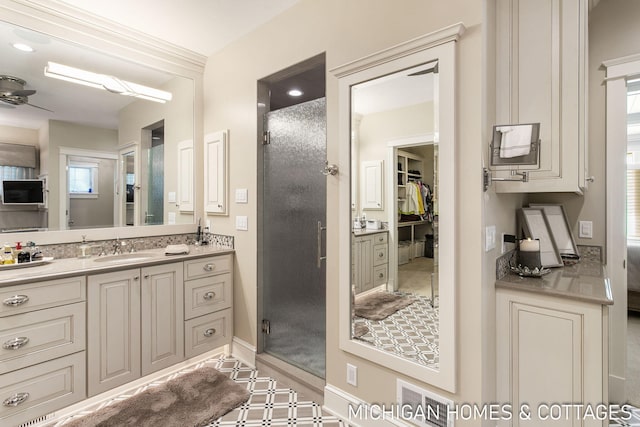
x: 66, y: 267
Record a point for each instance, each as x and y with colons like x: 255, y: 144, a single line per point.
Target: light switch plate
x: 352, y: 374
x: 171, y: 197
x: 242, y: 195
x: 172, y: 218
x: 489, y: 238
x: 586, y: 229
x: 242, y: 223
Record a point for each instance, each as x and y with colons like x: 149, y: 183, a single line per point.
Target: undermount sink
x: 124, y: 258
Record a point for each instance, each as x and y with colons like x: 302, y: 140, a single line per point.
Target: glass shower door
x: 294, y: 211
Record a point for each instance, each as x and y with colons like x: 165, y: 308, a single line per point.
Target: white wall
x: 347, y: 31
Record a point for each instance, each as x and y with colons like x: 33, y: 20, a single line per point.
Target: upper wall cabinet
x: 541, y: 77
x: 215, y: 173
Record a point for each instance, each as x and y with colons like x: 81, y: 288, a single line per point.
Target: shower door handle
x: 320, y: 257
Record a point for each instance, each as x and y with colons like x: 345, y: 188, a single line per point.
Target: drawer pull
x: 209, y: 332
x: 15, y: 343
x: 380, y: 254
x: 209, y: 295
x: 15, y: 300
x: 381, y: 275
x: 15, y: 400
x: 208, y: 267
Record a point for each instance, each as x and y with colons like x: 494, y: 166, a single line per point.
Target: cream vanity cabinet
x: 541, y: 77
x: 135, y: 324
x: 550, y: 350
x: 371, y: 261
x: 208, y: 298
x: 42, y: 358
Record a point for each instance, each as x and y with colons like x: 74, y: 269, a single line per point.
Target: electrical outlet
x: 352, y: 375
x: 586, y: 230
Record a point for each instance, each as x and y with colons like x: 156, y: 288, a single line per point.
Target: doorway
x: 292, y: 212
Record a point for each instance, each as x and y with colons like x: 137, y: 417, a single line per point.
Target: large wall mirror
x: 397, y: 289
x: 107, y: 160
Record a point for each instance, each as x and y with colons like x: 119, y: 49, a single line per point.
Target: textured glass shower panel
x: 294, y: 202
x: 155, y: 194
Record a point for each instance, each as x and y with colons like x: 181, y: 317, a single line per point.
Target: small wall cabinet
x: 185, y: 176
x: 550, y: 350
x: 215, y: 173
x: 541, y: 77
x: 372, y: 183
x: 370, y: 261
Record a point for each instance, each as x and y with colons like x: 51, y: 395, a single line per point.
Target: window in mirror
x: 83, y: 178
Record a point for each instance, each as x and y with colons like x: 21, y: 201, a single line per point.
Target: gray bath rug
x: 380, y: 305
x: 193, y: 399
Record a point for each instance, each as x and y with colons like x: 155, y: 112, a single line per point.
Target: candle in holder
x: 529, y: 253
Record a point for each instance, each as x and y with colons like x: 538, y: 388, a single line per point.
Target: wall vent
x: 427, y: 408
x: 38, y: 420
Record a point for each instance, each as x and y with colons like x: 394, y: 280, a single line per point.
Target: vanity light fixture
x: 105, y: 82
x: 295, y: 92
x: 23, y: 47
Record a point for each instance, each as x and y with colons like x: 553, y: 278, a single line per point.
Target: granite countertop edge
x: 69, y: 267
x: 591, y: 288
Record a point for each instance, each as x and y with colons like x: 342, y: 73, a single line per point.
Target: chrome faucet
x: 118, y: 245
x: 132, y: 246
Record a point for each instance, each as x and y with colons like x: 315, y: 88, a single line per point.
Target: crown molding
x: 61, y: 20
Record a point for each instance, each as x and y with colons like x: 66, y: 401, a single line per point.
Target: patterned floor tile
x: 268, y: 405
x: 411, y: 332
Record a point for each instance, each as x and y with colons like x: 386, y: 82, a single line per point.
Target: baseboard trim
x: 243, y: 351
x: 338, y: 401
x: 617, y: 392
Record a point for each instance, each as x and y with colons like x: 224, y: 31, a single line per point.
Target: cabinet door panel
x: 113, y: 340
x: 215, y: 173
x: 162, y: 317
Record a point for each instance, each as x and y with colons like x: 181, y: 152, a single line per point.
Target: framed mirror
x: 397, y: 124
x: 98, y: 151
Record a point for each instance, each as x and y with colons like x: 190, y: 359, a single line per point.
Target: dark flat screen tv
x: 23, y: 192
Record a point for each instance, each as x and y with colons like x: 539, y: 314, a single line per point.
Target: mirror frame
x: 68, y: 23
x: 439, y: 45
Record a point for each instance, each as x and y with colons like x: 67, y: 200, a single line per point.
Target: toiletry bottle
x: 7, y: 254
x: 23, y: 254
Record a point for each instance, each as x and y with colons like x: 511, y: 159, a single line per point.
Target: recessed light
x: 23, y: 47
x: 295, y: 92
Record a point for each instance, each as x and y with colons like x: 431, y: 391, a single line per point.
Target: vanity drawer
x: 39, y: 295
x: 203, y: 267
x: 207, y: 332
x: 41, y: 389
x: 380, y: 275
x: 30, y: 338
x: 206, y: 295
x: 380, y: 254
x: 379, y: 238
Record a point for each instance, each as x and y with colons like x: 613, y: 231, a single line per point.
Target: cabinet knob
x: 380, y: 255
x: 136, y: 278
x: 209, y: 295
x: 208, y: 267
x: 15, y: 400
x: 15, y: 300
x: 146, y: 276
x: 15, y: 343
x: 380, y: 275
x: 209, y: 332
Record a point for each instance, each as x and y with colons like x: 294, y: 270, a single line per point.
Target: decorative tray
x: 45, y: 260
x: 526, y: 272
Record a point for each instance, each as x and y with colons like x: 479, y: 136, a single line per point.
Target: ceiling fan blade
x: 35, y: 106
x: 24, y: 92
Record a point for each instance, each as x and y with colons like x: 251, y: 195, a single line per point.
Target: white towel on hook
x: 515, y: 141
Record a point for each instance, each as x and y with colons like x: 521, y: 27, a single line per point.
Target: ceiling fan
x: 13, y: 93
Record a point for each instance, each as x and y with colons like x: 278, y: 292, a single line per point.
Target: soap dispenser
x: 83, y: 249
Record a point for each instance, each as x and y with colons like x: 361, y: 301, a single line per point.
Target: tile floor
x: 269, y: 405
x: 412, y: 332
